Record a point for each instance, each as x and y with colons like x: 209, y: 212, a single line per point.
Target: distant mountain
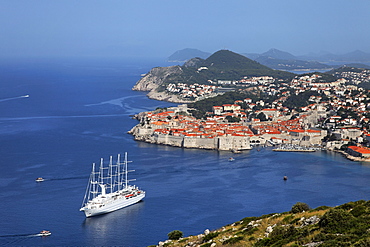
x: 356, y: 56
x: 186, y: 54
x: 252, y: 56
x: 282, y: 60
x: 272, y: 53
x: 358, y: 65
x: 277, y: 54
x: 351, y: 57
x: 291, y: 64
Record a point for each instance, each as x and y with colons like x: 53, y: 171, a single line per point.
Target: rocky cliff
x: 156, y: 77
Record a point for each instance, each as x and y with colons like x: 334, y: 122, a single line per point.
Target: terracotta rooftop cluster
x: 178, y: 125
x: 360, y: 149
x: 279, y: 127
x: 340, y: 97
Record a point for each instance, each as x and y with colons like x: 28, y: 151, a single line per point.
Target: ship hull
x: 112, y: 206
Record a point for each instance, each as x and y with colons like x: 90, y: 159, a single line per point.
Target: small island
x: 234, y: 104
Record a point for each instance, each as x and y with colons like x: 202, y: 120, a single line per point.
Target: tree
x: 330, y: 138
x: 299, y: 207
x: 336, y: 221
x: 175, y: 235
x: 231, y: 119
x: 261, y: 116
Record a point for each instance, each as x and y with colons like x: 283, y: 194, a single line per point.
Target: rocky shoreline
x: 353, y: 158
x: 163, y: 96
x: 142, y: 134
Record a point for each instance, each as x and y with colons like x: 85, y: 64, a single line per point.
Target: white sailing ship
x: 108, y: 189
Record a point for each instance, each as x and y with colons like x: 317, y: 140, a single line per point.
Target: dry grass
x: 248, y: 232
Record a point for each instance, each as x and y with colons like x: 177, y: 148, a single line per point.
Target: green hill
x: 348, y: 68
x: 222, y: 65
x: 225, y: 65
x: 228, y: 60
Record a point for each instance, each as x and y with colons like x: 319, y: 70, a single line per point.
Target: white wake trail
x: 13, y: 98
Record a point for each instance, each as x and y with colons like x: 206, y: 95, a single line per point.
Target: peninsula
x: 241, y: 107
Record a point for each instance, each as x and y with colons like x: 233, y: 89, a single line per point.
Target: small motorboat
x: 45, y: 233
x: 39, y: 179
x: 231, y: 159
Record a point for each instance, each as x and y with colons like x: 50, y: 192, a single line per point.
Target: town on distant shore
x: 231, y: 103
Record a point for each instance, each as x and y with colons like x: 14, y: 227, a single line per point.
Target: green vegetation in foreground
x: 344, y: 225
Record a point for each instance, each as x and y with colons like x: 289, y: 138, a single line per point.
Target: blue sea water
x: 80, y: 110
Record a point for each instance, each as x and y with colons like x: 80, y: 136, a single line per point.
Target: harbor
x: 294, y: 148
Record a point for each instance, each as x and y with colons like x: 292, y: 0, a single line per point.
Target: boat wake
x: 118, y: 102
x: 52, y: 179
x: 60, y: 117
x: 17, y: 239
x: 128, y: 106
x: 13, y: 98
x: 19, y: 235
x: 68, y: 178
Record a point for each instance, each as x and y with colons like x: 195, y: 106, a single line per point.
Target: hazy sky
x: 159, y: 28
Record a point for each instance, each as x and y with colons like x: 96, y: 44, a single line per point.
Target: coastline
x: 163, y: 96
x: 352, y: 158
x: 148, y: 139
x: 293, y: 150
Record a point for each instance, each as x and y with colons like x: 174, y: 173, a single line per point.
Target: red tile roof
x: 361, y: 150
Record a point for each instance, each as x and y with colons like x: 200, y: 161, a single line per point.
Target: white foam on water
x: 118, y: 102
x: 14, y: 98
x: 59, y: 117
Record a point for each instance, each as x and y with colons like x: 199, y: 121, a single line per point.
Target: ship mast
x: 93, y: 180
x: 111, y: 174
x: 101, y: 174
x: 118, y: 169
x: 126, y: 170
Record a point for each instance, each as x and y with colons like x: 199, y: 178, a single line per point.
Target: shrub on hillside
x: 210, y: 236
x: 336, y: 221
x: 299, y: 207
x: 175, y: 235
